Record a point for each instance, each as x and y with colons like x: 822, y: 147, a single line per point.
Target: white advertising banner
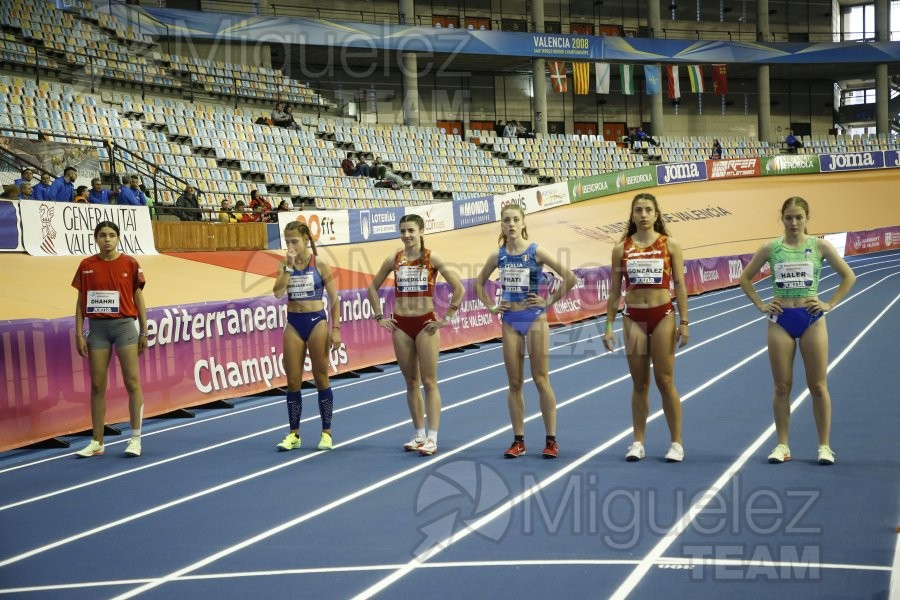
x: 438, y: 217
x: 67, y: 229
x: 327, y: 227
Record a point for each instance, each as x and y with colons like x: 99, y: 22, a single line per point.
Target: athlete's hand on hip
x: 433, y: 325
x: 536, y: 301
x: 388, y: 323
x: 773, y: 308
x: 814, y: 306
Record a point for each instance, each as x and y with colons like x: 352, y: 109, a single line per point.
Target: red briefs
x: 649, y: 318
x: 412, y: 326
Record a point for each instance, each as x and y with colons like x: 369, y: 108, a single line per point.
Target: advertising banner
x: 438, y: 217
x: 10, y: 227
x: 681, y: 172
x: 789, y: 164
x: 374, y: 224
x: 473, y: 211
x: 67, y: 229
x: 326, y: 227
x: 851, y: 161
x: 594, y: 186
x: 877, y: 240
x: 732, y: 168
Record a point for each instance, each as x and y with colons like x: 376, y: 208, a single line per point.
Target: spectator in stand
x: 27, y: 176
x: 394, y: 178
x: 189, y: 205
x: 265, y: 207
x: 792, y: 142
x: 285, y: 206
x: 378, y: 169
x: 522, y: 132
x: 347, y: 165
x: 129, y: 193
x: 643, y: 136
x: 63, y: 189
x: 226, y: 213
x: 25, y: 191
x: 499, y: 128
x: 510, y: 130
x: 362, y: 167
x: 42, y: 190
x: 716, y: 153
x: 240, y: 212
x: 81, y: 194
x: 289, y: 111
x: 279, y: 117
x: 98, y: 195
x: 10, y: 191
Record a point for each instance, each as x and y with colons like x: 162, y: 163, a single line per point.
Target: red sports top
x: 107, y: 286
x: 647, y: 267
x: 414, y: 278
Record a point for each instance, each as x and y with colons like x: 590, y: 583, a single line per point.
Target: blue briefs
x: 521, y: 320
x: 304, y: 322
x: 795, y: 320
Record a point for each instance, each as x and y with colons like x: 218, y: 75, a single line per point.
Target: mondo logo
x: 318, y: 226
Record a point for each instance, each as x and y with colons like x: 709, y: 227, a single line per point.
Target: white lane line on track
x: 489, y: 564
x: 635, y: 577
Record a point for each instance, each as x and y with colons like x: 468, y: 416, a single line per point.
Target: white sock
x: 420, y: 433
x: 136, y: 434
x: 432, y: 435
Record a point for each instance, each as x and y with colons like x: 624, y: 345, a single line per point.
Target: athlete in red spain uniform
x: 650, y: 261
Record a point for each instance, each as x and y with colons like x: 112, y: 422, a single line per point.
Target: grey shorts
x: 104, y: 333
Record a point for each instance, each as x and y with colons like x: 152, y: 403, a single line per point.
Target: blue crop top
x: 306, y: 284
x: 520, y: 274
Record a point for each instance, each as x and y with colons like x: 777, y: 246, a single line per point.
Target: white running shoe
x: 414, y: 444
x: 826, y: 455
x: 133, y: 448
x: 635, y: 452
x: 94, y: 448
x: 428, y: 448
x: 675, y: 453
x: 781, y: 453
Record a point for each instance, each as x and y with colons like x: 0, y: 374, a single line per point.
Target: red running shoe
x: 516, y: 450
x: 551, y: 450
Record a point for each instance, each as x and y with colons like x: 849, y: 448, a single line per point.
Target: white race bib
x: 645, y: 271
x: 515, y: 279
x: 301, y: 286
x: 412, y: 279
x: 793, y: 275
x: 102, y: 301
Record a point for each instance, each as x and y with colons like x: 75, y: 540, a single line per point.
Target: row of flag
x: 652, y: 81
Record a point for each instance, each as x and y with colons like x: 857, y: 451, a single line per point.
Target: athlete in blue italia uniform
x: 305, y: 279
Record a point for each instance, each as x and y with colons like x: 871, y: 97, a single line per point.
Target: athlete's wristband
x: 378, y: 317
x: 683, y: 322
x: 609, y: 326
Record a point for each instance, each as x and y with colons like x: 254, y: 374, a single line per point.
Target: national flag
x: 720, y: 79
x: 651, y: 80
x: 626, y: 72
x: 672, y: 84
x: 695, y: 73
x: 602, y: 77
x: 558, y: 76
x: 582, y: 76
